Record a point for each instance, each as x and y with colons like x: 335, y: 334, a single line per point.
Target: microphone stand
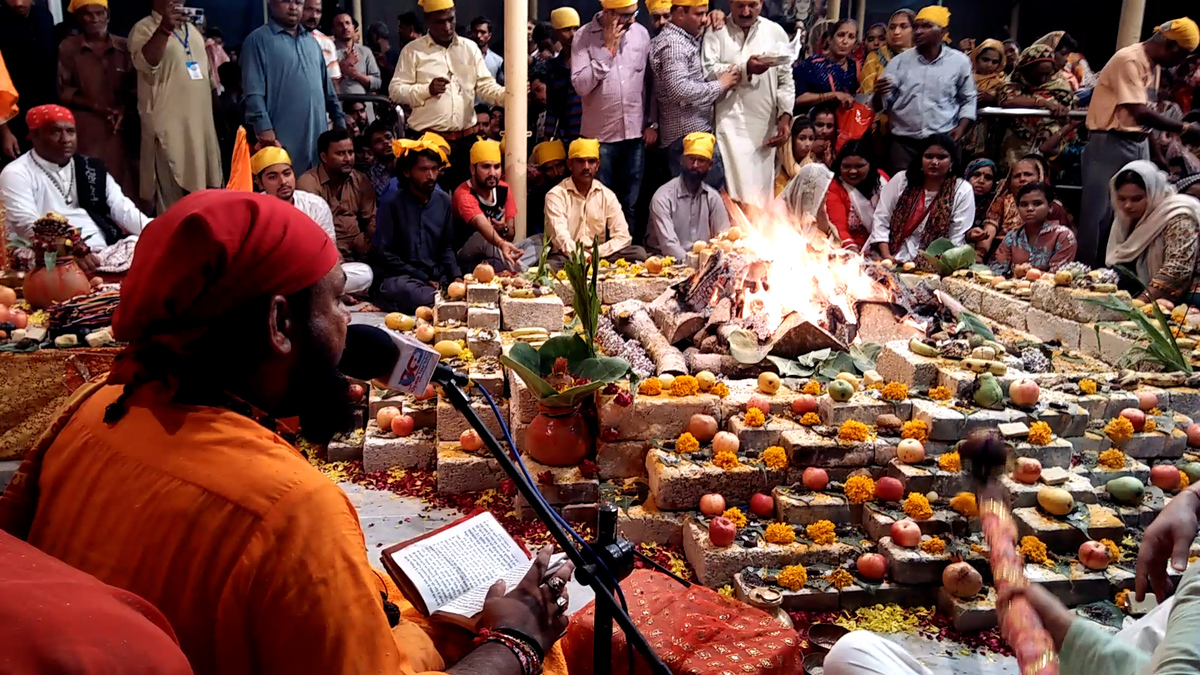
x: 614, y: 553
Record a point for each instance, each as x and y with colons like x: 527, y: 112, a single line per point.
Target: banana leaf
x: 969, y: 321
x: 602, y: 369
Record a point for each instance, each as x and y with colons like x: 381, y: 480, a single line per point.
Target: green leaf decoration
x: 571, y: 347
x: 969, y: 321
x: 518, y: 360
x: 1161, y: 348
x: 789, y: 368
x: 1081, y: 518
x: 571, y: 397
x: 939, y: 246
x: 815, y: 358
x: 947, y: 258
x: 50, y: 258
x: 602, y: 368
x: 865, y: 355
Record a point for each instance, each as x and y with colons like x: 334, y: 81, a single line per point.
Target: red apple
x: 761, y: 402
x: 1135, y: 416
x: 1193, y: 434
x: 1027, y: 470
x: 470, y: 440
x: 888, y: 489
x: 762, y: 505
x: 385, y: 416
x: 356, y: 392
x: 712, y: 505
x: 721, y: 531
x: 430, y: 392
x: 804, y: 403
x: 1147, y: 400
x: 1094, y: 555
x: 19, y: 318
x: 906, y: 533
x: 403, y: 425
x: 1024, y: 393
x: 872, y: 566
x: 1166, y: 477
x: 815, y: 479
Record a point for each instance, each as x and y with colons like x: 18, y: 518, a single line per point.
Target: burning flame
x: 799, y: 269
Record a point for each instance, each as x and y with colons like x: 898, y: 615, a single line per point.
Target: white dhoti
x: 358, y: 277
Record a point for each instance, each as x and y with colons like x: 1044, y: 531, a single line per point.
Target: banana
x: 921, y: 349
x: 529, y: 331
x: 1104, y: 288
x: 977, y: 365
x: 998, y: 368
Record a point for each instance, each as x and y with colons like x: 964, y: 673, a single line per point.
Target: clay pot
x: 44, y: 287
x: 558, y: 436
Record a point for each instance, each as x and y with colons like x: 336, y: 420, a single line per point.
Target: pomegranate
x: 1193, y: 434
x: 1165, y: 477
x: 403, y: 425
x: 962, y: 580
x: 385, y: 416
x: 356, y: 391
x: 1136, y: 417
x: 1024, y: 393
x: 1027, y: 470
x: 804, y: 403
x: 1147, y: 400
x: 726, y: 442
x: 761, y: 402
x: 470, y: 440
x: 703, y: 427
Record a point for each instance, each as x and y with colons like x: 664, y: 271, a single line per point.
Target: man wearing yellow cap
x: 927, y: 90
x: 440, y: 76
x: 685, y: 209
x: 685, y: 95
x: 608, y: 69
x: 753, y: 118
x: 581, y: 209
x: 564, y: 108
x: 660, y: 15
x: 1120, y: 117
x: 485, y: 204
x: 550, y: 160
x: 98, y: 83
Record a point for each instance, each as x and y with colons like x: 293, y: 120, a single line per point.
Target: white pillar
x: 860, y: 16
x: 833, y: 10
x: 516, y: 105
x: 1014, y: 20
x: 356, y: 10
x: 1129, y: 30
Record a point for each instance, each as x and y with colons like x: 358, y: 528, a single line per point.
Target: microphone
x: 403, y: 362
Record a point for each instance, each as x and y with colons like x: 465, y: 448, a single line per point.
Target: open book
x: 447, y: 573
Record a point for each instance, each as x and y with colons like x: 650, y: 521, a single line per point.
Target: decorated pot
x: 44, y: 287
x: 558, y: 436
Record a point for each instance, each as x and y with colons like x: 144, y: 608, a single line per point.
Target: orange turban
x: 212, y: 252
x: 42, y: 115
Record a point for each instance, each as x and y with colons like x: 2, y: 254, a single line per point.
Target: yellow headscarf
x: 548, y: 151
x: 699, y: 143
x: 934, y: 14
x: 485, y: 151
x: 990, y: 83
x: 268, y: 156
x: 585, y: 148
x: 658, y: 6
x: 689, y: 3
x: 429, y: 141
x: 1183, y: 31
x: 564, y: 17
x: 76, y: 4
x: 617, y: 4
x: 435, y: 5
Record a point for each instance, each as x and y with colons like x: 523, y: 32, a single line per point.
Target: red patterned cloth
x: 42, y: 115
x: 693, y: 630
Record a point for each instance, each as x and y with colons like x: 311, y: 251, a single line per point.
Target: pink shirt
x: 613, y: 88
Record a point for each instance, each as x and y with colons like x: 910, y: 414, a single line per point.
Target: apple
x: 815, y: 479
x: 403, y: 425
x: 726, y: 442
x: 906, y: 533
x: 1024, y: 393
x: 385, y: 416
x: 910, y: 451
x: 721, y: 531
x: 1136, y: 416
x: 470, y: 440
x: 425, y: 333
x: 18, y: 318
x: 761, y: 402
x: 4, y: 314
x: 8, y: 296
x: 1165, y: 477
x: 889, y: 489
x: 712, y: 505
x: 703, y: 427
x: 762, y: 505
x: 1193, y: 434
x: 356, y: 392
x: 1147, y: 400
x: 872, y: 566
x: 430, y: 392
x: 804, y: 403
x: 1027, y: 470
x: 1094, y: 555
x: 425, y: 313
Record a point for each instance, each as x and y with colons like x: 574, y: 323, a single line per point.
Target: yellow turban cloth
x: 485, y: 151
x: 585, y: 148
x: 268, y: 156
x: 934, y: 14
x: 1182, y: 32
x: 617, y: 4
x: 689, y: 3
x: 435, y: 5
x: 429, y: 141
x: 564, y: 17
x: 658, y: 6
x: 699, y: 143
x: 548, y: 151
x: 76, y: 4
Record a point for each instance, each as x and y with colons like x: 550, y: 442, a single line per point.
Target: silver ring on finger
x: 556, y: 584
x: 561, y: 603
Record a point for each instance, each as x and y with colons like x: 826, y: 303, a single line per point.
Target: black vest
x: 91, y: 186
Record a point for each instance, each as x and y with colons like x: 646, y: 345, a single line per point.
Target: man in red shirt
x: 486, y: 204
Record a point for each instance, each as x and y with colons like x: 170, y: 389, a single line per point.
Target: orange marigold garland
x: 917, y: 429
x: 934, y: 546
x: 894, y: 391
x: 940, y: 393
x: 1119, y: 430
x: 859, y: 489
x: 812, y: 388
x: 810, y: 419
x: 793, y: 577
x: 854, y: 431
x: 720, y: 389
x: 1184, y: 481
x: 755, y: 418
x: 1039, y: 433
x: 736, y: 517
x: 686, y: 443
x: 964, y: 503
x: 839, y: 578
x: 1114, y: 552
x: 726, y: 460
x: 684, y: 385
x: 950, y: 462
x: 1151, y: 425
x: 779, y: 533
x: 1112, y: 459
x: 651, y: 386
x: 1087, y: 386
x: 917, y: 506
x: 821, y: 533
x: 1033, y: 549
x: 775, y: 457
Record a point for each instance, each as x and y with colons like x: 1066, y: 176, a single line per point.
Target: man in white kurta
x: 756, y: 115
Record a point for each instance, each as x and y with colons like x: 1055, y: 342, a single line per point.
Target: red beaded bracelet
x: 531, y: 663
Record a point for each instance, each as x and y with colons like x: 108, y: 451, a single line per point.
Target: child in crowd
x: 1039, y: 242
x: 796, y: 154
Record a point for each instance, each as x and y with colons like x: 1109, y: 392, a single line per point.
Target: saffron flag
x: 240, y: 177
x: 8, y: 95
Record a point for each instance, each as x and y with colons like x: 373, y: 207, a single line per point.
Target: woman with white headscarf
x: 804, y: 196
x: 1155, y: 231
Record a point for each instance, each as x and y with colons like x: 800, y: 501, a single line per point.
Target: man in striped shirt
x: 564, y: 108
x: 685, y: 97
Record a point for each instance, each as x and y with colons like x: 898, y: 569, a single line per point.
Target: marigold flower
x: 950, y: 462
x: 1039, y: 433
x: 684, y: 385
x: 1119, y: 429
x: 1033, y: 549
x: 651, y: 386
x: 779, y: 533
x: 917, y: 429
x: 721, y: 389
x: 1151, y: 425
x: 812, y: 388
x: 736, y: 517
x: 793, y: 577
x: 934, y: 546
x: 1087, y: 386
x: 1122, y: 599
x: 964, y: 503
x: 686, y: 443
x: 821, y: 533
x: 726, y: 591
x: 775, y: 457
x: 854, y: 431
x: 726, y: 460
x: 1114, y: 552
x: 755, y: 418
x: 810, y: 419
x: 940, y: 393
x: 917, y: 507
x: 895, y: 391
x: 859, y: 489
x: 1112, y: 459
x: 839, y: 578
x: 1184, y: 481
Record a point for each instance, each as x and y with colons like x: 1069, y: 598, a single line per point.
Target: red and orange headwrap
x: 42, y: 115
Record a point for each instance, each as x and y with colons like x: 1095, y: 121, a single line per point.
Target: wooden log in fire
x: 797, y: 336
x: 674, y: 320
x: 725, y: 365
x: 632, y: 318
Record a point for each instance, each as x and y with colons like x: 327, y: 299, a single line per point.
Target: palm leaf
x: 1161, y: 347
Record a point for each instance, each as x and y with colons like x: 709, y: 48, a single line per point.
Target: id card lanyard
x: 193, y: 67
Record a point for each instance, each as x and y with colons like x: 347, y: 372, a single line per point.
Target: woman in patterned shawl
x: 1035, y: 83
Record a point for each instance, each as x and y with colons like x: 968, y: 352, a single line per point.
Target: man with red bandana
x: 168, y: 481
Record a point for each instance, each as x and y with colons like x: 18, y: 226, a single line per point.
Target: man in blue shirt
x: 927, y: 90
x: 414, y: 254
x: 287, y: 89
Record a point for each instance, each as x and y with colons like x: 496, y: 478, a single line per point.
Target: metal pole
x: 833, y: 10
x: 860, y: 17
x: 1129, y: 30
x: 1014, y: 20
x: 356, y: 9
x: 516, y: 105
